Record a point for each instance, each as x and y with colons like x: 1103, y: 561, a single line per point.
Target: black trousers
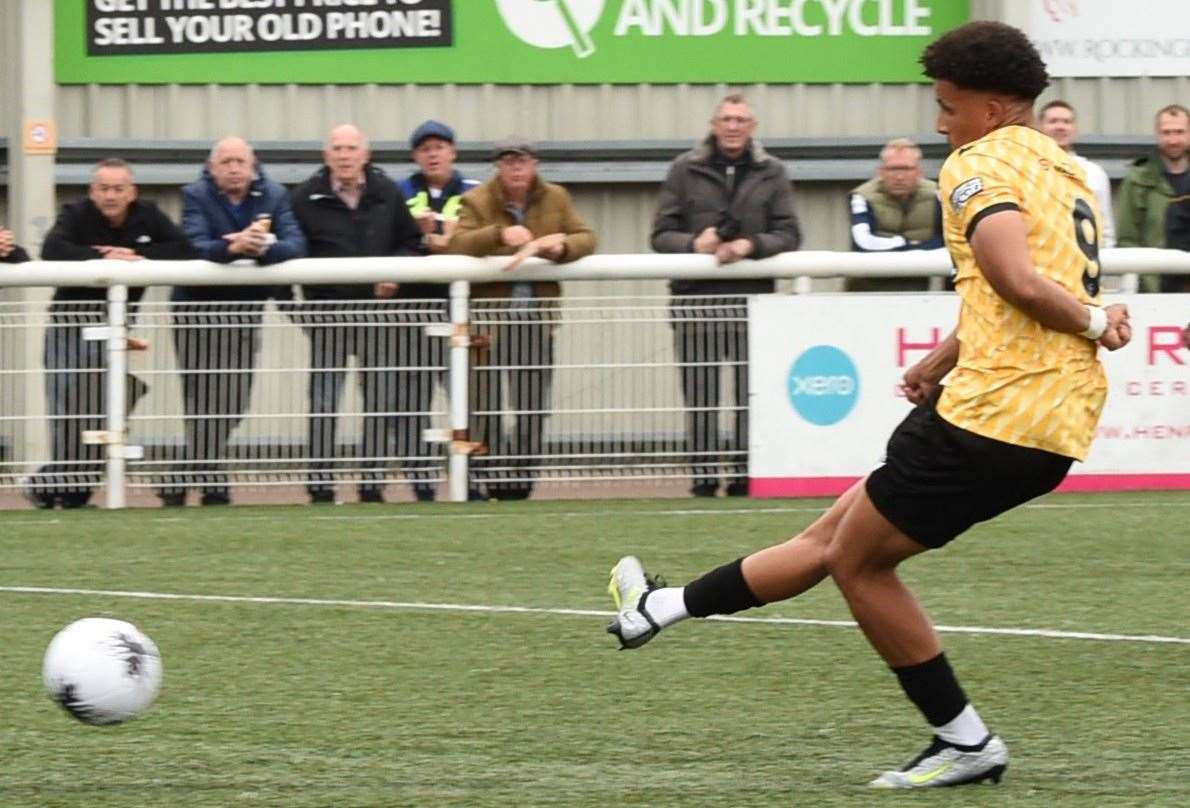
x: 216, y: 347
x: 424, y: 369
x: 373, y: 344
x: 519, y: 364
x: 75, y: 387
x: 709, y: 335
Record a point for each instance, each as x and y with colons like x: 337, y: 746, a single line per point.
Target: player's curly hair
x: 987, y: 55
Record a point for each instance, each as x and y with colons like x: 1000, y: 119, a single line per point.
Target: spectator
x: 895, y: 211
x: 110, y: 224
x: 728, y: 198
x: 10, y: 251
x: 434, y: 195
x: 350, y: 208
x: 1059, y: 121
x: 1149, y: 186
x: 232, y: 213
x: 516, y: 212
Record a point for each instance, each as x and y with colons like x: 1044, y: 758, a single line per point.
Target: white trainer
x: 629, y: 585
x: 943, y: 764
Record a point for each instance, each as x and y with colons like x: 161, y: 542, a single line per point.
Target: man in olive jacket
x: 728, y: 198
x: 516, y: 214
x: 1150, y: 185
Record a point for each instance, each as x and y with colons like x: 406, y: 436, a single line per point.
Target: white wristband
x: 1098, y: 323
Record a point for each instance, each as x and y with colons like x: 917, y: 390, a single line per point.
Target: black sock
x: 723, y: 590
x: 932, y: 686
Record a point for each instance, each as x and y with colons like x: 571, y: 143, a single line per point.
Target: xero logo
x: 823, y: 385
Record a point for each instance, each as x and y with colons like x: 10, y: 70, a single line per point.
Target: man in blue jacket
x: 232, y: 213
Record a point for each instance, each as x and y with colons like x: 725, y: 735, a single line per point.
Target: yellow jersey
x: 1017, y: 381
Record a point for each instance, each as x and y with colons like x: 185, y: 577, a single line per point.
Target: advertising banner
x: 825, y: 371
x: 1112, y: 38
x: 496, y: 41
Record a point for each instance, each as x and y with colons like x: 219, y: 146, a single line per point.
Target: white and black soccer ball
x: 102, y: 671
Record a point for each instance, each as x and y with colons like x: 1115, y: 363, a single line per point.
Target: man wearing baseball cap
x: 434, y: 195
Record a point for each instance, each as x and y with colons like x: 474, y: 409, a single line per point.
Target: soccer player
x: 1021, y: 402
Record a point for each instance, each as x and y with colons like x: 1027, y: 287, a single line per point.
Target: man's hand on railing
x: 112, y: 253
x: 732, y: 251
x: 552, y: 247
x: 385, y: 289
x: 252, y: 241
x: 137, y: 344
x: 516, y: 236
x: 707, y: 241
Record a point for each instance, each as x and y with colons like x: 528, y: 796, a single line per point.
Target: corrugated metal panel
x: 566, y: 112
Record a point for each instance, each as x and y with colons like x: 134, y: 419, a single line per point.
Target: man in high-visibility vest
x: 434, y: 195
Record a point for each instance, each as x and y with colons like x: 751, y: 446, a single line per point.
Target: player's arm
x: 999, y: 243
x: 921, y: 379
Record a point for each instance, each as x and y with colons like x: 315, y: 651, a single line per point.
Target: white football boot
x: 629, y: 586
x: 943, y: 764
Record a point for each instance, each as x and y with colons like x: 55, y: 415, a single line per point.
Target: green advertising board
x: 496, y: 41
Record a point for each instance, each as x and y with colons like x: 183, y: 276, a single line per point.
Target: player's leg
x: 862, y: 560
x: 775, y: 573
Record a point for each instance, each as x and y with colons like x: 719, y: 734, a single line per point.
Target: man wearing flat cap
x: 517, y: 214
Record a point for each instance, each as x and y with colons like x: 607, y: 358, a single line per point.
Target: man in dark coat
x: 351, y: 208
x: 728, y: 198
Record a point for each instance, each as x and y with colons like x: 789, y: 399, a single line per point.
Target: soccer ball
x: 102, y: 671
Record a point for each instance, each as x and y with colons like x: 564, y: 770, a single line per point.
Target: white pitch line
x: 489, y: 609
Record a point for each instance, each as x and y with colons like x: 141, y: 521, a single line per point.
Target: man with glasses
x: 728, y: 198
x: 518, y: 214
x: 895, y: 211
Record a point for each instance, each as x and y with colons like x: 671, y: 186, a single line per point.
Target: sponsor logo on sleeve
x: 964, y: 191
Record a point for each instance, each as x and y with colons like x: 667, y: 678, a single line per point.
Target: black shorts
x: 938, y: 480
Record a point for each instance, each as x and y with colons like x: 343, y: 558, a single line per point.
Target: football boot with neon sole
x: 629, y: 585
x: 944, y: 764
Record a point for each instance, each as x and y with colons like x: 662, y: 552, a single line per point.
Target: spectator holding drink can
x: 232, y: 213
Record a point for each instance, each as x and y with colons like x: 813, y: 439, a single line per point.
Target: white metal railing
x: 619, y: 368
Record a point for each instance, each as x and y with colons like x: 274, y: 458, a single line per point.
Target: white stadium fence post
x: 460, y: 368
x: 117, y: 374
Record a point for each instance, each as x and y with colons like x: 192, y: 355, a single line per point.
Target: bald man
x: 232, y: 213
x: 352, y: 209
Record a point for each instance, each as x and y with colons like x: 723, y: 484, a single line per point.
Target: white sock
x: 965, y: 729
x: 667, y: 605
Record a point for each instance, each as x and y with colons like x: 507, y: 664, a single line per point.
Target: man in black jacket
x: 728, y: 198
x: 111, y: 224
x: 351, y: 208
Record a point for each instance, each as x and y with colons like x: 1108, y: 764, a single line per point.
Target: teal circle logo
x: 823, y: 385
